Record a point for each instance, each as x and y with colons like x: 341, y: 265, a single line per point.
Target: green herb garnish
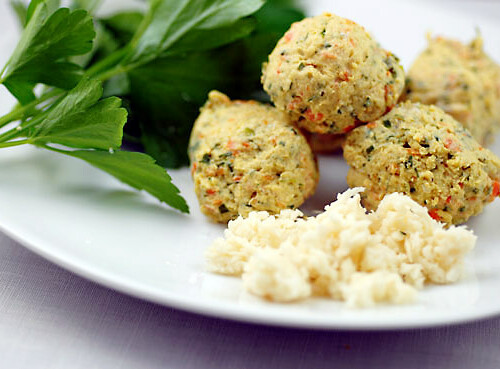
x: 206, y: 158
x: 162, y: 62
x: 223, y: 209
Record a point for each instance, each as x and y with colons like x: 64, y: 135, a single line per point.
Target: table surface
x: 51, y: 318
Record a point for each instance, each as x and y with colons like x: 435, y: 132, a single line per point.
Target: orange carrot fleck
x: 495, y: 190
x: 451, y: 144
x: 313, y: 117
x: 345, y: 76
x: 434, y: 214
x: 329, y: 56
x: 388, y: 91
x: 231, y: 145
x: 296, y: 100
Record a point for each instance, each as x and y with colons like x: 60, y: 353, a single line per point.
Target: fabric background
x: 51, y: 318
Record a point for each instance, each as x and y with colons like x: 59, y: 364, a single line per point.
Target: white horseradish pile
x: 343, y: 253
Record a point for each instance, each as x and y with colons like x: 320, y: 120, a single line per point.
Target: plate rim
x: 209, y: 309
x: 140, y: 290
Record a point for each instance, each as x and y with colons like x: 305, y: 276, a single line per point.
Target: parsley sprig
x: 70, y: 116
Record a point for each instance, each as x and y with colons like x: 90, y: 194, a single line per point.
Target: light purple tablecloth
x: 50, y: 318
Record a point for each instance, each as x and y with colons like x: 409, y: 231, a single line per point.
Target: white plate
x: 85, y: 221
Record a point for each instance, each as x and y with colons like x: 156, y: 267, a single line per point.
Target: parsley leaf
x: 21, y: 11
x: 138, y: 171
x: 212, y: 38
x: 167, y: 21
x: 80, y: 98
x: 23, y: 91
x: 50, y: 6
x: 80, y: 120
x: 165, y: 98
x: 89, y: 5
x: 46, y: 43
x: 166, y: 94
x: 163, y: 64
x: 123, y: 25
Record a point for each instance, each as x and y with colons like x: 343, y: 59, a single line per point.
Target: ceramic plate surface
x: 89, y: 223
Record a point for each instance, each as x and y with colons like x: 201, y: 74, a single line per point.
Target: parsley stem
x: 14, y: 143
x: 146, y: 21
x: 2, y: 79
x: 108, y: 62
x: 54, y: 149
x: 24, y: 126
x: 15, y: 114
x: 110, y: 65
x: 19, y: 130
x: 20, y: 111
x: 119, y: 69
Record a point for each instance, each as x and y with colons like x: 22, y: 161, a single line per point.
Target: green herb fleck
x: 249, y: 131
x: 409, y: 162
x: 206, y: 158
